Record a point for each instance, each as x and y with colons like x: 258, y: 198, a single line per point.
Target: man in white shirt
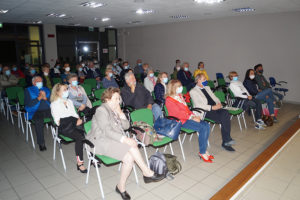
x: 240, y: 91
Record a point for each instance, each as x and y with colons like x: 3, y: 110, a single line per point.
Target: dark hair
x: 257, y: 66
x: 108, y: 93
x: 200, y: 63
x: 177, y: 60
x: 247, y: 75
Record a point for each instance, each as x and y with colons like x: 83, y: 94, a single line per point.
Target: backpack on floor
x: 158, y: 164
x: 174, y: 166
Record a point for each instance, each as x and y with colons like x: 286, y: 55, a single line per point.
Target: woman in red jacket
x: 177, y: 107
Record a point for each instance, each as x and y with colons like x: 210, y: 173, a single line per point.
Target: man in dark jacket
x: 185, y: 76
x: 136, y: 95
x: 45, y: 74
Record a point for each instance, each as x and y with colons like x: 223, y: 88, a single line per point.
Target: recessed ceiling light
x: 34, y: 22
x: 208, y: 1
x: 71, y: 24
x: 92, y: 4
x: 56, y: 15
x: 110, y: 26
x: 135, y: 22
x: 247, y: 9
x: 2, y: 11
x: 105, y: 19
x: 179, y: 16
x: 143, y: 11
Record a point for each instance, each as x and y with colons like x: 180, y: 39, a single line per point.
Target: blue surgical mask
x: 126, y: 67
x: 80, y: 69
x: 205, y: 83
x: 139, y: 64
x: 115, y: 64
x: 65, y: 94
x: 7, y: 72
x: 74, y: 83
x: 235, y: 78
x: 32, y: 71
x: 165, y: 80
x: 151, y: 75
x: 186, y: 69
x: 57, y: 66
x: 14, y: 69
x: 110, y: 74
x: 179, y: 90
x: 39, y: 85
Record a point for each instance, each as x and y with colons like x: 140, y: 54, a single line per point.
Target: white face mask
x: 178, y: 68
x: 252, y: 77
x: 67, y: 69
x: 46, y: 74
x: 151, y: 75
x: 179, y: 90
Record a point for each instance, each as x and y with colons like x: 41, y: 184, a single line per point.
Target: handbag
x: 168, y: 127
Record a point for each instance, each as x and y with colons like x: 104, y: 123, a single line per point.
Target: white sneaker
x: 261, y: 122
x: 259, y: 127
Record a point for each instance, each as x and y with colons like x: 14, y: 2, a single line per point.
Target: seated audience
x: 80, y: 73
x: 56, y: 71
x: 201, y: 70
x: 264, y: 95
x: 30, y: 74
x: 185, y: 76
x: 78, y: 95
x: 66, y: 118
x: 150, y: 81
x: 240, y: 91
x: 94, y: 73
x: 125, y: 69
x: 6, y: 80
x: 178, y: 108
x: 262, y: 83
x: 47, y: 79
x: 37, y: 105
x: 136, y: 95
x: 145, y: 71
x: 160, y: 88
x: 176, y: 69
x: 109, y: 138
x: 138, y: 70
x: 204, y: 98
x: 109, y: 80
x: 66, y: 72
x: 116, y: 68
x: 17, y: 72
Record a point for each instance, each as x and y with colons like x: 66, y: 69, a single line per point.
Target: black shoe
x: 154, y: 178
x: 227, y: 147
x: 42, y: 148
x: 124, y: 195
x: 82, y: 171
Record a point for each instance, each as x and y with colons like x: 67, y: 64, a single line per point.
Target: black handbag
x: 168, y: 127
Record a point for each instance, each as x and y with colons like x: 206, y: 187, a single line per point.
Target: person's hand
x: 259, y: 90
x: 98, y: 79
x: 267, y: 97
x: 40, y: 95
x: 132, y: 88
x: 217, y: 107
x: 131, y: 142
x: 196, y: 119
x: 149, y: 106
x: 249, y: 97
x: 79, y: 122
x: 81, y: 107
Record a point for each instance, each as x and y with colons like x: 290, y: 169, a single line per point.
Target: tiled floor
x: 281, y: 178
x: 30, y: 174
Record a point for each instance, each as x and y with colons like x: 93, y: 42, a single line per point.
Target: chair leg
x: 171, y: 148
x: 164, y: 148
x: 181, y: 147
x: 120, y: 166
x: 33, y: 145
x: 27, y: 125
x: 191, y: 137
x: 183, y: 138
x: 253, y: 115
x: 10, y: 113
x: 20, y: 120
x: 212, y: 128
x: 243, y: 116
x: 99, y: 180
x: 238, y: 118
x: 54, y: 149
x: 146, y: 155
x: 62, y: 157
x: 88, y: 169
x: 135, y: 174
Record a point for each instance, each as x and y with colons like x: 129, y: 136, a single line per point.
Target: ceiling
x: 122, y: 12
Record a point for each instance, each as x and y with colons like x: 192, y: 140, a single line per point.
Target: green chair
x: 156, y: 74
x: 238, y: 112
x: 22, y: 82
x: 184, y: 90
x: 98, y: 93
x: 92, y: 82
x: 146, y: 116
x: 56, y: 80
x: 96, y: 103
x: 98, y: 159
x: 21, y: 109
x: 88, y: 90
x: 12, y: 100
x: 211, y: 84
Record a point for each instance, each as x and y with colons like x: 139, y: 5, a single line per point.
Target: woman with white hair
x: 150, y: 81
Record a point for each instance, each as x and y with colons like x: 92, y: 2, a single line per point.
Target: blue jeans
x: 156, y: 110
x: 270, y: 101
x: 203, y: 129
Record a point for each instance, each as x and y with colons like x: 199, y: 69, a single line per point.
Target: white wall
x: 234, y: 43
x: 50, y: 44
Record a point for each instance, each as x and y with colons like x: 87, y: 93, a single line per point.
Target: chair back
x: 211, y: 84
x: 56, y: 80
x: 21, y: 98
x: 97, y: 103
x: 221, y: 82
x: 98, y: 93
x: 184, y: 90
x: 272, y: 81
x: 92, y: 82
x: 22, y: 82
x: 220, y: 95
x: 144, y: 115
x: 87, y: 126
x: 12, y: 92
x: 87, y: 88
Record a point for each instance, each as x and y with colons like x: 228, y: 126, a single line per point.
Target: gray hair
x: 198, y: 77
x: 71, y: 75
x: 127, y: 75
x: 185, y: 63
x: 34, y: 78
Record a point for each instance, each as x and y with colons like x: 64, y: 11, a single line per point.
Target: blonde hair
x: 54, y: 94
x: 232, y: 74
x: 172, y: 86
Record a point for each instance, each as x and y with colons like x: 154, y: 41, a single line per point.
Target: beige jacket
x: 7, y: 81
x: 199, y: 99
x: 104, y: 133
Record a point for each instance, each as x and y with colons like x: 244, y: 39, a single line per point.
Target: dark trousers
x: 78, y: 137
x: 254, y: 103
x: 222, y: 117
x: 38, y: 119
